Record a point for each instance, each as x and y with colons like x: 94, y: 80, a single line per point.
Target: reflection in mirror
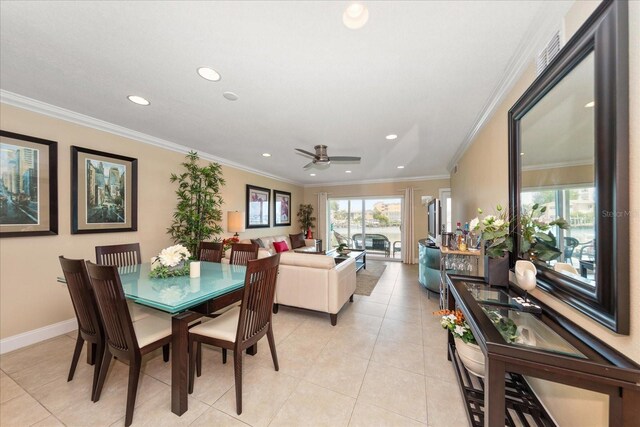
x: 557, y: 158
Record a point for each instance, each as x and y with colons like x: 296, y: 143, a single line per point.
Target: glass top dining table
x: 176, y: 294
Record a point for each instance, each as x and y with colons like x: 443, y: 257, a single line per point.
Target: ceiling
x: 422, y: 70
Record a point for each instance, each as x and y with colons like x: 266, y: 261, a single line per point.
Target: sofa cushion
x: 308, y: 260
x: 280, y: 247
x: 297, y: 240
x: 257, y: 242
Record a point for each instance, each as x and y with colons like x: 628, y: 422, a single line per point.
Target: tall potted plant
x: 199, y: 201
x: 306, y: 219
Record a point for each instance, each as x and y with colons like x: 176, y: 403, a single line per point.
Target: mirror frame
x: 606, y: 34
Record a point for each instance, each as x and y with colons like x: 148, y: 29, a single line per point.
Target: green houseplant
x: 536, y: 239
x: 306, y: 218
x: 494, y: 230
x: 198, y: 210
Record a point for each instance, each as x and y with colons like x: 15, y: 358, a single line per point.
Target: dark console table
x: 555, y: 349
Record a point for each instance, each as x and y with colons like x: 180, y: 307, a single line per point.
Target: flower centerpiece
x: 226, y: 243
x: 454, y: 321
x: 171, y: 262
x: 494, y: 231
x: 468, y: 351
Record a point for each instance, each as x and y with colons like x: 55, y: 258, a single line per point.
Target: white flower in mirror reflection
x: 459, y: 330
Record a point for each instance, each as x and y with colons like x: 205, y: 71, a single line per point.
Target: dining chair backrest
x: 82, y: 297
x: 257, y: 299
x: 242, y: 253
x: 119, y: 255
x: 112, y: 304
x: 210, y: 251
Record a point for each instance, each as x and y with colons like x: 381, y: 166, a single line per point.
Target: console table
x: 555, y: 349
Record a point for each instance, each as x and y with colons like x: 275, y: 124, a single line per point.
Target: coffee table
x: 360, y: 255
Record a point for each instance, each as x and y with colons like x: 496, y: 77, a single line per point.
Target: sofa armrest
x: 342, y: 284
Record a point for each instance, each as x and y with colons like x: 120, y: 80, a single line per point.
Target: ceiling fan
x: 321, y: 158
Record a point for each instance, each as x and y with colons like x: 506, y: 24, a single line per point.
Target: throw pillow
x: 297, y: 240
x: 257, y: 242
x: 280, y: 247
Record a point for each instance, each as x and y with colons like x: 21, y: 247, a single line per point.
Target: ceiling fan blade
x: 344, y: 159
x: 305, y: 152
x: 308, y: 166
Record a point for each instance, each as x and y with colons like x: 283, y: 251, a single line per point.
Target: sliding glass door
x: 371, y: 223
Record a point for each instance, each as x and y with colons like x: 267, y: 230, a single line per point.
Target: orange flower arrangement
x: 226, y: 243
x: 454, y: 321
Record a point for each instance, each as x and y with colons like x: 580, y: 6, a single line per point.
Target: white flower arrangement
x: 170, y: 262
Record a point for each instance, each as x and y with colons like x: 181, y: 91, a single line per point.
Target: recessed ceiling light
x: 209, y: 74
x: 355, y: 16
x: 589, y: 104
x: 230, y: 96
x: 347, y: 171
x: 138, y: 100
x: 522, y: 154
x: 266, y: 155
x: 400, y: 167
x: 312, y: 174
x: 391, y: 137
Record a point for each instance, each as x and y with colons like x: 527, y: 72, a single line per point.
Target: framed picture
x: 257, y: 207
x: 104, y: 192
x: 281, y: 208
x: 28, y: 186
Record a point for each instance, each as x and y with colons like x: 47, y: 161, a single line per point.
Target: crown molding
x: 547, y: 20
x: 557, y: 165
x: 33, y: 105
x: 379, y: 181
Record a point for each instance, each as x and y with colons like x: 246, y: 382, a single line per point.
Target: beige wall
x: 551, y: 177
x: 30, y: 298
x: 421, y: 188
x: 485, y: 165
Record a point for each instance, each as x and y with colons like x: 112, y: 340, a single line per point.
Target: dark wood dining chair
x: 241, y: 327
x: 120, y: 255
x: 242, y: 253
x: 86, y: 309
x: 124, y: 339
x: 210, y: 251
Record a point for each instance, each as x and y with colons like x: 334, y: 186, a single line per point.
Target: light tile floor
x: 384, y: 364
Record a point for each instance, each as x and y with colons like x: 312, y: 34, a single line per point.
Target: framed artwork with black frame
x: 104, y: 192
x: 28, y: 186
x: 281, y: 208
x: 257, y: 207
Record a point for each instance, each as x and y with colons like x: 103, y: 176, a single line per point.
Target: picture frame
x: 104, y: 192
x: 281, y: 208
x: 28, y: 186
x: 258, y: 212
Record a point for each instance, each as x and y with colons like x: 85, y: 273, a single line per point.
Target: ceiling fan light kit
x: 321, y: 158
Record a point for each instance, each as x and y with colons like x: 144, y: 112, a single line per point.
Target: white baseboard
x: 35, y: 336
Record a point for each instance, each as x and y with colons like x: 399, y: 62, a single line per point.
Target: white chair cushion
x: 139, y: 312
x: 224, y: 327
x: 151, y: 329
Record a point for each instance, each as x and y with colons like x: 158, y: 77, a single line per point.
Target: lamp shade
x: 235, y: 221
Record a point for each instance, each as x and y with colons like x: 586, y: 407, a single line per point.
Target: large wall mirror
x: 568, y: 152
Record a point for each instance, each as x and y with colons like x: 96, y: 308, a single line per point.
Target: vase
x: 471, y: 356
x: 496, y: 270
x: 309, y: 233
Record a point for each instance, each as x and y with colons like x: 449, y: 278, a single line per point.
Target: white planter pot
x: 471, y: 356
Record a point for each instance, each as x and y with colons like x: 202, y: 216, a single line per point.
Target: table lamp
x: 235, y: 222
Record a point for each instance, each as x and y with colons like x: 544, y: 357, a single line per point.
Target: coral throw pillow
x: 280, y: 247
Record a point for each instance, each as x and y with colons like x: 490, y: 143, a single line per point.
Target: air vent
x: 548, y: 53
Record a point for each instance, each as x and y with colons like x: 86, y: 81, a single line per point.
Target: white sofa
x: 268, y: 250
x: 315, y: 282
